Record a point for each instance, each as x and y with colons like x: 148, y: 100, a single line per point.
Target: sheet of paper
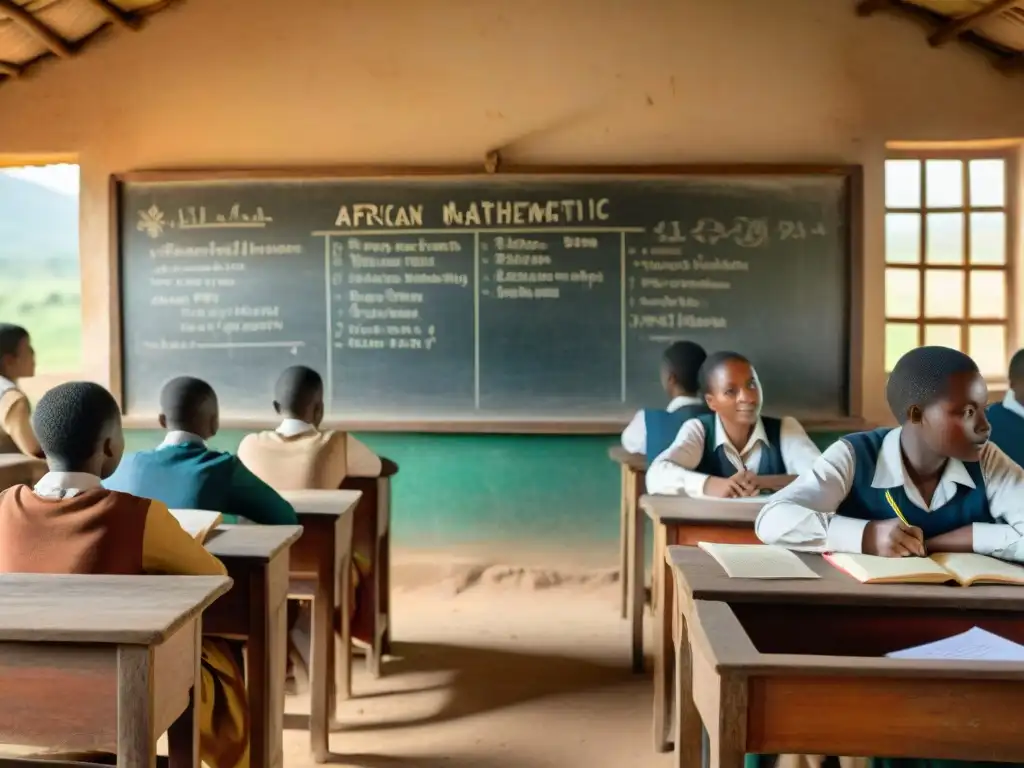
x: 197, y: 522
x: 976, y: 644
x: 758, y: 561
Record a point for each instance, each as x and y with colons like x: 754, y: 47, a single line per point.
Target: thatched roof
x: 31, y: 30
x: 994, y: 25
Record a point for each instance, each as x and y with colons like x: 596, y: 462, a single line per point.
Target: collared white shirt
x: 294, y: 427
x: 1011, y: 404
x: 6, y: 385
x: 634, y: 436
x: 673, y: 471
x: 181, y: 437
x: 64, y: 485
x: 803, y: 516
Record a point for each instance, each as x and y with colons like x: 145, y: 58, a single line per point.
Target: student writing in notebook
x: 957, y: 491
x: 184, y: 473
x: 1007, y: 417
x: 652, y: 430
x: 69, y: 524
x: 17, y: 361
x: 732, y: 451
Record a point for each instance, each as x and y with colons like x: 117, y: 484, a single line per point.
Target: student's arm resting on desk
x: 802, y: 516
x: 16, y: 421
x: 672, y: 472
x: 254, y: 500
x: 1004, y: 484
x: 169, y: 549
x: 634, y: 436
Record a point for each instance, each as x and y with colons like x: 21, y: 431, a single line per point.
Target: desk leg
x: 266, y: 659
x: 636, y: 604
x: 342, y: 688
x: 690, y: 735
x: 136, y: 741
x: 322, y: 673
x: 183, y: 735
x: 729, y: 739
x: 664, y: 654
x: 624, y: 524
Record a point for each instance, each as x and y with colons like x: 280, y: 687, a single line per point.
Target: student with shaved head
x: 184, y: 473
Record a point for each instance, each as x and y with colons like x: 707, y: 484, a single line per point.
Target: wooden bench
x: 103, y: 664
x: 766, y: 665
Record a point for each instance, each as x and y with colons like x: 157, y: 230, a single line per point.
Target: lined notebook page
x: 976, y: 644
x: 758, y: 561
x: 969, y: 567
x: 889, y: 569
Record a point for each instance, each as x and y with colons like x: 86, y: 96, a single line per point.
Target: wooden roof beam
x: 867, y: 7
x: 9, y: 69
x: 118, y: 16
x: 38, y: 29
x: 954, y: 27
x: 1010, y: 64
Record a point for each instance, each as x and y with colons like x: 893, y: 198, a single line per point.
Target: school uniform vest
x: 314, y: 459
x: 968, y: 505
x: 94, y: 532
x: 714, y: 462
x: 1007, y: 431
x: 663, y: 426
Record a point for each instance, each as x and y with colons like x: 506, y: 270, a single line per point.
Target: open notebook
x: 198, y: 522
x: 964, y: 568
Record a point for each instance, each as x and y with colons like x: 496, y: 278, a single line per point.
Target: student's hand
x: 773, y: 482
x: 740, y: 484
x: 892, y: 538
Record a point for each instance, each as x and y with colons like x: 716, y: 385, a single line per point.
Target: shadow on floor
x: 484, y: 680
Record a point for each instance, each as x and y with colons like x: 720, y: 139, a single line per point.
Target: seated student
x: 297, y: 455
x: 1007, y: 417
x: 69, y: 524
x: 17, y: 360
x: 652, y: 430
x: 958, y: 491
x: 184, y: 474
x: 705, y: 460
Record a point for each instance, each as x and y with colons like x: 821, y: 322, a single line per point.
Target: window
x: 40, y: 285
x: 948, y: 274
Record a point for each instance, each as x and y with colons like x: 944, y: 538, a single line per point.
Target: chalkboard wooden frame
x: 851, y: 174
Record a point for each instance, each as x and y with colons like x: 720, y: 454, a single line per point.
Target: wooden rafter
x: 1010, y: 64
x: 51, y: 39
x: 117, y: 15
x: 951, y: 29
x: 867, y: 7
x: 9, y: 69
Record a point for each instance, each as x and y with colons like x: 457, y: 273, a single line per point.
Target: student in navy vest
x: 1007, y: 417
x: 652, y: 430
x: 957, y: 490
x: 732, y: 451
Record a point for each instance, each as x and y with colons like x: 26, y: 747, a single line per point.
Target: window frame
x: 1009, y: 269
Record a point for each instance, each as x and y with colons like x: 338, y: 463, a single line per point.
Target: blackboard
x: 497, y: 299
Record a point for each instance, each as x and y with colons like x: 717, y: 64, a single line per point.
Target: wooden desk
x: 321, y: 568
x: 681, y: 520
x: 256, y: 609
x: 103, y: 663
x: 633, y: 468
x: 16, y: 469
x: 371, y: 532
x: 766, y: 666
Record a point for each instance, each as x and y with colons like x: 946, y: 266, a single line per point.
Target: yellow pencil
x: 895, y: 508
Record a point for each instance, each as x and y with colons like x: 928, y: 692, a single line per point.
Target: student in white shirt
x: 957, y: 491
x: 704, y: 459
x: 652, y: 430
x: 17, y: 361
x: 1007, y: 417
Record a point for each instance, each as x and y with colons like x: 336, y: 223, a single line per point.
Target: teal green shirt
x: 191, y: 476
